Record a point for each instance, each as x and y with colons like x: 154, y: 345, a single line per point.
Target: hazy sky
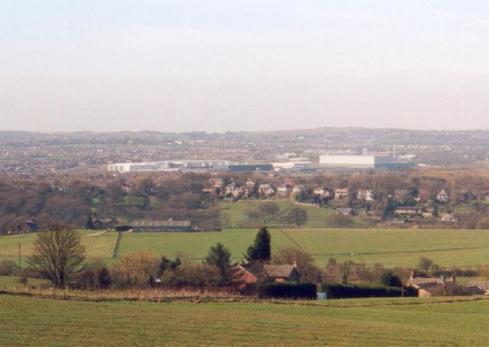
x: 217, y: 65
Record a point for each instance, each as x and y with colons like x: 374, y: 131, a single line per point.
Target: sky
x: 232, y: 65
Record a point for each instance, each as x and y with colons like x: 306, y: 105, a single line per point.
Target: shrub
x: 288, y: 291
x: 8, y: 268
x: 134, y: 270
x: 344, y: 291
x: 390, y: 279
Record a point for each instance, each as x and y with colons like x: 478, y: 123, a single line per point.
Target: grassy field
x: 393, y: 247
x: 389, y: 247
x: 12, y: 282
x: 234, y: 214
x: 33, y: 322
x: 98, y: 244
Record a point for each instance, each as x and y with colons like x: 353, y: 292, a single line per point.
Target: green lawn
x: 391, y: 247
x: 44, y: 322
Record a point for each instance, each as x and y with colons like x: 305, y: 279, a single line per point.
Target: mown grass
x: 391, y: 247
x: 29, y: 321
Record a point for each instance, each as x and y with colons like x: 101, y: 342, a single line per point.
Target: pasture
x: 234, y: 214
x: 98, y: 244
x: 29, y: 321
x: 391, y: 247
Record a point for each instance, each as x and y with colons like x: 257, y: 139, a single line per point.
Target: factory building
x: 171, y: 165
x: 363, y: 161
x: 251, y: 168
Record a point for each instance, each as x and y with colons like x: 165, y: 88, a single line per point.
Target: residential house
x: 31, y: 224
x: 298, y: 189
x: 266, y: 190
x: 366, y: 195
x: 282, y: 273
x: 401, y: 195
x: 250, y: 274
x: 427, y: 212
x: 442, y: 196
x: 216, y: 182
x: 249, y: 187
x: 448, y: 218
x: 341, y: 193
x: 424, y: 195
x: 322, y: 192
x: 284, y: 190
x: 345, y: 211
x: 407, y: 211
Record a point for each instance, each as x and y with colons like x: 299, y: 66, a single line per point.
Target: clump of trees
x: 34, y: 204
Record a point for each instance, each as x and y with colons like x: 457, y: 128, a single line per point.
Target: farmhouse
x: 103, y: 223
x: 164, y: 225
x: 442, y: 286
x: 282, y: 273
x: 250, y: 274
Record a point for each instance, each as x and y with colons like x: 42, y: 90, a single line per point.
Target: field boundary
x: 117, y: 245
x: 165, y: 296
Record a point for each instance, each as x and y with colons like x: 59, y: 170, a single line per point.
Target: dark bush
x: 288, y: 291
x: 390, y: 279
x: 343, y: 291
x: 8, y: 268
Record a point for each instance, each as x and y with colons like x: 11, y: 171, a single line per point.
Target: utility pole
x: 20, y: 257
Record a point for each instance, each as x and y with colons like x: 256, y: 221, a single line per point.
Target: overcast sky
x: 218, y: 65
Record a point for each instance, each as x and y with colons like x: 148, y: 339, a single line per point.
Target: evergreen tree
x: 219, y: 258
x: 89, y: 222
x: 390, y: 279
x: 104, y: 279
x: 168, y: 265
x: 261, y: 248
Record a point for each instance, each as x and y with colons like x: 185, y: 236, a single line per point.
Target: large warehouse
x: 362, y: 161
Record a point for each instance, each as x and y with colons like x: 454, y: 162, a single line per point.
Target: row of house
x: 288, y: 188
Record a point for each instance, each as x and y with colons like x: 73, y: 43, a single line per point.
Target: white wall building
x: 363, y: 161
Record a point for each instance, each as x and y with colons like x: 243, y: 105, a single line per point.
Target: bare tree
x: 58, y: 254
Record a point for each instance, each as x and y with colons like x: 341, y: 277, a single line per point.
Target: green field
x: 12, y: 282
x: 98, y: 244
x: 234, y: 214
x: 389, y: 247
x: 393, y: 247
x: 44, y: 322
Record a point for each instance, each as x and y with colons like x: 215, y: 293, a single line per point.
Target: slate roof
x: 279, y: 270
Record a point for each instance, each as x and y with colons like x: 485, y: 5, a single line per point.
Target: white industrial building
x: 170, y: 165
x: 363, y: 161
